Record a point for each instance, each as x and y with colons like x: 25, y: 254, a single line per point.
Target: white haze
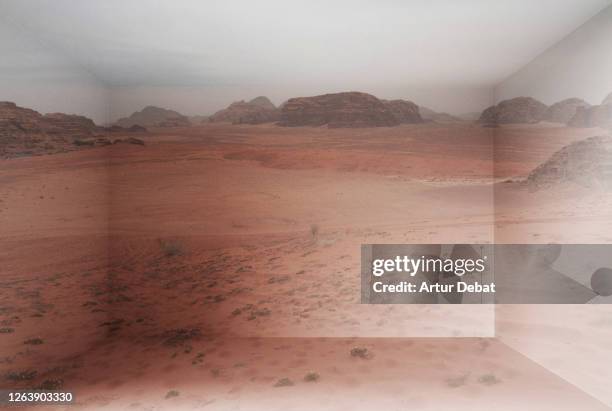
x: 197, y: 56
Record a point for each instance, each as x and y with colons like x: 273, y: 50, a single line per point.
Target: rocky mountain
x: 19, y: 118
x: 593, y: 116
x: 587, y: 162
x: 263, y: 102
x: 69, y: 124
x: 431, y: 115
x: 563, y: 111
x: 152, y: 116
x: 517, y: 110
x: 348, y: 109
x: 406, y: 112
x: 25, y: 132
x: 257, y: 111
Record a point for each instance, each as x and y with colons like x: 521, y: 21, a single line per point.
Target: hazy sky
x: 203, y: 54
x: 578, y: 66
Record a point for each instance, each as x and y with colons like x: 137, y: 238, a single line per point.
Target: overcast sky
x: 203, y: 54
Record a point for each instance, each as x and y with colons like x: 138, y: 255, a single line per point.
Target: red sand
x: 128, y: 262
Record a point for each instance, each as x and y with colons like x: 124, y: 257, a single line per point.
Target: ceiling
x: 189, y: 42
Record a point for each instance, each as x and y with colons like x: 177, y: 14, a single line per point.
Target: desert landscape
x: 215, y: 263
x: 193, y: 196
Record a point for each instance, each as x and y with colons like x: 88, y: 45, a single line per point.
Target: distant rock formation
x: 470, y: 116
x: 348, y: 109
x: 430, y: 115
x: 257, y: 111
x: 563, y: 111
x: 118, y: 129
x: 263, y: 102
x: 25, y: 132
x: 152, y: 116
x: 587, y: 162
x: 594, y: 116
x: 20, y: 119
x: 69, y: 124
x: 517, y: 110
x: 196, y: 120
x: 105, y: 141
x: 406, y: 112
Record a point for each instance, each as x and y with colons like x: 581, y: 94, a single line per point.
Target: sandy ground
x: 218, y: 260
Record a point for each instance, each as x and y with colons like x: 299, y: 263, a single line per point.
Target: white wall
x: 572, y: 341
x: 580, y: 65
x: 35, y: 76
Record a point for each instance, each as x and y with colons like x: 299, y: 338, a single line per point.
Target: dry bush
x: 314, y: 231
x: 171, y: 248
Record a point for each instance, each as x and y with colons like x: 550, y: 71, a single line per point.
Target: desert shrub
x: 312, y: 377
x: 284, y: 382
x: 489, y: 379
x: 172, y: 394
x: 83, y: 142
x: 314, y: 231
x: 171, y: 248
x: 360, y: 352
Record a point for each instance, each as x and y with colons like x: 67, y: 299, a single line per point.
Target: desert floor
x: 218, y: 267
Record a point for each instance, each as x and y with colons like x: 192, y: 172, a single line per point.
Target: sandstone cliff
x: 348, y: 109
x: 517, y: 110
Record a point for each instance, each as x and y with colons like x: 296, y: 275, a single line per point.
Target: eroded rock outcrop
x: 26, y: 132
x: 433, y: 116
x: 13, y: 117
x: 152, y: 116
x: 257, y: 111
x: 348, y: 109
x: 563, y: 111
x: 406, y: 112
x: 594, y: 116
x: 263, y: 102
x: 69, y: 124
x: 587, y: 162
x: 518, y: 110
